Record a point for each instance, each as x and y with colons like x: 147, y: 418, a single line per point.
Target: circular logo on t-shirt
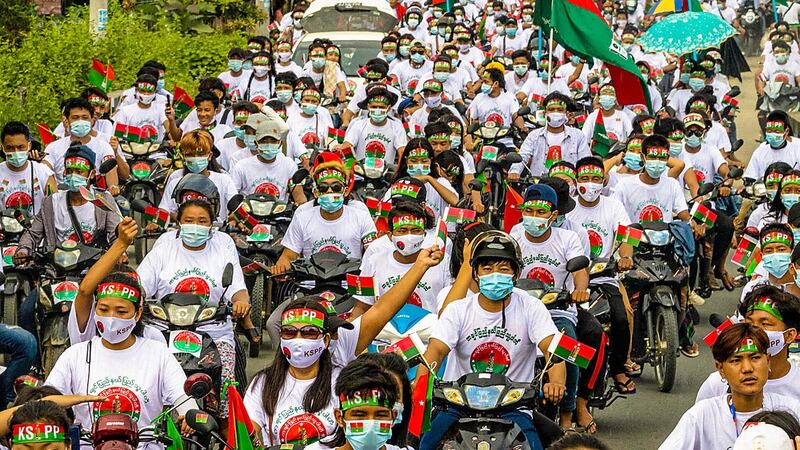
x: 414, y: 299
x: 496, y: 118
x: 375, y: 149
x: 651, y: 213
x: 595, y: 243
x: 19, y: 200
x: 302, y: 429
x: 543, y: 275
x: 87, y: 237
x: 268, y: 188
x: 611, y: 135
x: 701, y: 177
x: 196, y: 286
x: 119, y: 400
x: 490, y: 357
x: 330, y: 248
x: 259, y: 99
x: 310, y: 139
x: 782, y: 77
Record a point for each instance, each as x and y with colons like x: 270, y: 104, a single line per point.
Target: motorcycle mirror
x: 577, y: 263
x: 201, y: 421
x: 705, y: 189
x: 227, y: 275
x: 475, y: 185
x: 735, y: 172
x: 735, y: 91
x: 234, y: 202
x: 524, y: 111
x: 139, y: 205
x: 197, y: 385
x: 107, y: 166
x: 474, y: 127
x: 513, y: 158
x: 716, y: 320
x: 737, y: 145
x: 481, y: 166
x: 461, y: 108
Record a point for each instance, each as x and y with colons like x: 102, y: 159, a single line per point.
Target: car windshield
x: 354, y: 54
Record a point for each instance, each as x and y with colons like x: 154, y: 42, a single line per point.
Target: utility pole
x: 98, y: 17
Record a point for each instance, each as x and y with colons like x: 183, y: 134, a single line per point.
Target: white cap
x: 763, y: 436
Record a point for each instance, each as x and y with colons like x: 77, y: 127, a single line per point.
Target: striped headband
x: 304, y: 316
x: 775, y: 126
x: 777, y: 237
x: 774, y: 177
x: 147, y: 87
x: 790, y: 179
x: 34, y: 433
x: 118, y: 290
x: 76, y: 162
x: 543, y: 204
x: 372, y: 397
x: 407, y: 220
x: 747, y: 346
x: 330, y: 174
x: 591, y: 170
x: 768, y: 305
x: 563, y: 170
x: 657, y: 152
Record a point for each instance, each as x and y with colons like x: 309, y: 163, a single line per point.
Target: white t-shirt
x: 136, y: 116
x: 229, y: 147
x: 312, y: 130
x: 171, y: 267
x: 645, y: 202
x: 56, y: 150
x: 601, y: 222
x: 309, y: 233
x: 705, y: 163
x: 758, y: 213
x: 479, y: 343
x: 291, y: 67
x: 380, y: 141
x: 787, y: 72
x: 84, y: 213
x: 218, y: 132
x: 260, y: 90
x: 409, y: 77
x: 497, y: 109
x: 788, y: 385
x: 618, y: 126
x: 252, y: 175
x: 16, y: 190
x: 387, y: 271
x: 765, y: 155
x: 222, y: 181
x: 138, y: 381
x: 231, y: 81
x: 505, y: 45
x: 708, y: 425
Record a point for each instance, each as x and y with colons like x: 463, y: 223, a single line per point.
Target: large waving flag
x: 673, y: 6
x: 580, y: 28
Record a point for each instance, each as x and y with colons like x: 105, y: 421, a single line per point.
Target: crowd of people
x: 586, y: 167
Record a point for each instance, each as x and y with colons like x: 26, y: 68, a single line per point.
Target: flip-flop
x: 633, y: 369
x: 587, y: 428
x: 623, y: 388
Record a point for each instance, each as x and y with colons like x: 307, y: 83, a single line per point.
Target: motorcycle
x: 372, y: 177
x: 324, y: 274
x: 779, y: 96
x: 752, y: 22
x: 654, y: 288
x: 18, y: 280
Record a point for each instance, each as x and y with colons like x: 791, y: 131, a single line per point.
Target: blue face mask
x: 695, y: 84
x: 796, y: 234
x: 633, y: 161
x: 559, y: 221
x: 331, y: 202
x: 694, y: 141
x: 398, y: 408
x: 535, y: 226
x: 309, y: 109
x: 655, y: 168
x: 486, y: 88
x: 235, y: 65
x: 250, y: 141
x: 789, y: 200
x: 80, y: 128
x: 390, y: 57
x: 74, y: 182
x: 777, y: 263
x: 775, y: 140
x: 247, y: 65
x: 318, y: 63
x: 298, y: 96
x: 418, y: 169
x: 378, y: 115
x: 496, y: 286
x: 239, y: 133
x: 607, y: 101
x: 269, y: 151
x: 684, y: 77
x: 17, y: 159
x: 194, y: 235
x: 675, y: 149
x: 771, y: 193
x: 160, y: 84
x: 196, y: 164
x: 544, y: 75
x: 511, y: 32
x: 284, y: 95
x: 575, y: 59
x: 369, y: 437
x: 455, y: 142
x: 417, y: 58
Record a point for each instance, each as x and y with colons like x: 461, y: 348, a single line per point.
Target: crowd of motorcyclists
x: 481, y: 194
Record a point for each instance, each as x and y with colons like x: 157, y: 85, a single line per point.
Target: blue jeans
x: 443, y: 420
x: 573, y: 371
x: 20, y: 345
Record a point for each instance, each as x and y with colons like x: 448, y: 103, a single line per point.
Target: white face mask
x: 261, y: 71
x: 556, y: 119
x: 302, y: 353
x: 589, y: 191
x: 284, y: 56
x: 146, y: 98
x: 777, y: 341
x: 408, y: 244
x: 113, y: 329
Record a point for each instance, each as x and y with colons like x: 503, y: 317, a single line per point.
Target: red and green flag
x: 441, y: 234
x: 703, y: 214
x: 240, y: 427
x: 482, y: 27
x: 571, y: 350
x: 45, y: 134
x: 744, y: 251
x: 421, y: 403
x: 336, y: 133
x: 628, y: 235
x: 459, y: 215
x: 173, y: 434
x: 600, y: 141
x: 511, y: 212
x: 579, y: 26
x: 157, y: 216
x: 242, y: 215
x: 377, y: 207
x: 364, y: 286
x: 130, y: 133
x: 754, y: 262
x: 182, y: 102
x: 101, y: 75
x: 711, y: 338
x: 410, y: 348
x: 254, y: 268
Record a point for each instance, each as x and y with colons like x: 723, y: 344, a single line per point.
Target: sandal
x: 633, y: 369
x: 691, y: 351
x: 623, y: 388
x: 590, y: 428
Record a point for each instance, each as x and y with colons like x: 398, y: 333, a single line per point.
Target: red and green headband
x: 261, y: 60
x: 591, y: 170
x: 658, y: 152
x: 407, y: 220
x: 34, y: 433
x: 439, y: 137
x: 407, y: 189
x: 647, y: 124
x: 556, y: 102
x: 777, y: 237
x: 241, y: 115
x: 118, y: 290
x: 76, y: 162
x: 537, y: 204
x: 420, y: 152
x: 774, y: 177
x: 790, y: 179
x: 303, y: 316
x: 382, y: 99
x: 635, y: 144
x: 768, y: 305
x: 367, y: 397
x: 563, y: 170
x: 676, y: 135
x: 146, y: 87
x: 330, y: 174
x: 747, y: 346
x: 441, y: 65
x: 775, y: 126
x: 311, y: 93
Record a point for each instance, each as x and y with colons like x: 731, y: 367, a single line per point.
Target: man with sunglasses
x: 329, y: 224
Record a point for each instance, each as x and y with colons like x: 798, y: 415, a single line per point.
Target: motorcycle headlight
x: 12, y: 225
x: 279, y: 208
x: 759, y: 189
x: 453, y: 396
x: 260, y: 208
x: 66, y: 256
x: 182, y: 316
x: 483, y: 397
x: 597, y: 268
x: 489, y: 133
x: 657, y: 238
x: 373, y: 167
x: 207, y: 313
x: 512, y: 396
x: 158, y: 312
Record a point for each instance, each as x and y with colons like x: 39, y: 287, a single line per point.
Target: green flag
x: 174, y: 434
x: 600, y: 140
x: 580, y: 28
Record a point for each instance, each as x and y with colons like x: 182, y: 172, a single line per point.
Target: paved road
x: 643, y: 420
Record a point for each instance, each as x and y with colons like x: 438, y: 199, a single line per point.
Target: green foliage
x: 52, y: 61
x: 15, y: 18
x: 204, y: 16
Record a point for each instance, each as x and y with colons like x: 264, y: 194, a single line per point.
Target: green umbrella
x: 686, y: 32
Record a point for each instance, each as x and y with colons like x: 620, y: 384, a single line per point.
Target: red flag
x: 711, y: 338
x: 240, y: 427
x: 45, y: 134
x: 421, y: 403
x: 511, y: 213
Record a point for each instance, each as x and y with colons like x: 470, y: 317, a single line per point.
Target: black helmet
x: 200, y: 184
x: 495, y: 244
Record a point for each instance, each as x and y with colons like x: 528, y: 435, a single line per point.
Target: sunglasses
x: 697, y: 133
x: 307, y: 332
x: 336, y: 188
x: 417, y: 52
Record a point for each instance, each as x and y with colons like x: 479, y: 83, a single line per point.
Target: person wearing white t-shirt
x: 260, y: 85
x: 152, y: 119
x: 618, y: 125
x: 432, y: 94
x: 410, y: 71
x: 230, y: 146
x: 417, y: 162
x: 206, y: 106
x: 508, y: 42
x: 330, y: 224
x: 283, y: 62
x: 467, y: 52
x: 498, y: 330
x: 327, y: 75
x: 23, y: 183
x: 495, y: 103
x: 311, y: 122
x: 779, y: 69
x: 741, y: 358
x: 378, y: 135
x: 576, y: 69
x: 235, y: 74
x: 377, y: 72
x: 520, y: 79
x: 778, y: 314
x: 779, y: 145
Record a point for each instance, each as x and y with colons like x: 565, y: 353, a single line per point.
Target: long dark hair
x: 402, y: 167
x: 318, y: 395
